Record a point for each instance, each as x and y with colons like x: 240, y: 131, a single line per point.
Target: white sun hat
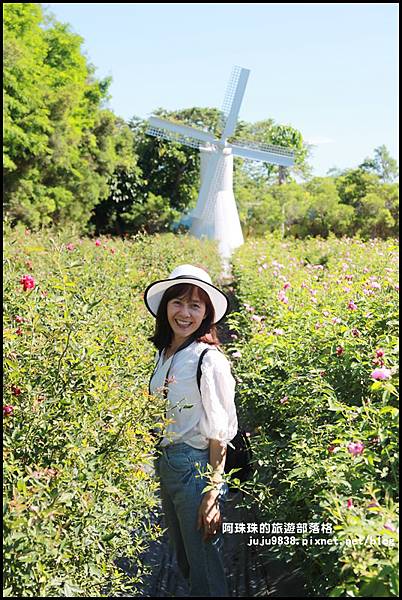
x: 187, y: 274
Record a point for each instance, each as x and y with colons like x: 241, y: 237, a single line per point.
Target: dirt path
x: 250, y: 571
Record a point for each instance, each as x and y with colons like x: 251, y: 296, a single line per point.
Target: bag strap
x: 199, y: 368
x: 199, y: 373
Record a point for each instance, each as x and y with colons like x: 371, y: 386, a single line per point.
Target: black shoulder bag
x: 238, y: 452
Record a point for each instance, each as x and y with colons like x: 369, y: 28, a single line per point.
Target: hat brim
x: 154, y: 293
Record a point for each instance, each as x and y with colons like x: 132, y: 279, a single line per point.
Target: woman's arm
x: 217, y: 458
x: 209, y: 516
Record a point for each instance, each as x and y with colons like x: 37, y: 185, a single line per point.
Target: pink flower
x: 28, y: 282
x: 355, y: 332
x: 375, y: 284
x: 284, y: 400
x: 19, y: 331
x: 19, y: 319
x: 336, y: 320
x: 7, y: 410
x: 349, y: 277
x: 98, y: 242
x: 70, y: 246
x: 388, y: 525
x: 356, y: 448
x: 381, y: 373
x: 350, y: 503
x: 332, y: 449
x: 16, y: 390
x: 282, y: 297
x: 278, y: 332
x: 286, y: 285
x: 379, y: 352
x: 352, y: 305
x: 257, y: 318
x: 340, y: 350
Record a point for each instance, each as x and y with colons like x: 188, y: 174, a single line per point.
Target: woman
x: 187, y: 308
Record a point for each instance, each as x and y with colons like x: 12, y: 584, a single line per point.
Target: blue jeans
x: 201, y: 563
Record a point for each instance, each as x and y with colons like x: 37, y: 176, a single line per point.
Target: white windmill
x: 215, y: 215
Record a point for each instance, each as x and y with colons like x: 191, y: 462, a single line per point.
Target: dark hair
x: 163, y: 332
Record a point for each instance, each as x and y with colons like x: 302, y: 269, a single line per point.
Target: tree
x: 377, y: 220
x: 325, y: 213
x: 60, y: 145
x: 354, y: 184
x: 259, y: 210
x: 294, y: 201
x: 164, y: 177
x: 267, y: 132
x: 382, y: 165
x: 170, y: 169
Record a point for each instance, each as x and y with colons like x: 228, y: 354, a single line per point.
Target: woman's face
x: 185, y: 316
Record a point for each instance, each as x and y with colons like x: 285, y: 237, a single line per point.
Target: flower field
x: 76, y: 408
x: 313, y: 348
x: 316, y: 364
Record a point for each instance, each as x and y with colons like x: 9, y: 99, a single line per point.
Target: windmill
x: 215, y: 215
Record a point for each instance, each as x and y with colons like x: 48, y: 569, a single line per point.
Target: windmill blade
x: 155, y: 123
x: 163, y: 134
x: 276, y: 155
x: 233, y: 99
x: 210, y: 186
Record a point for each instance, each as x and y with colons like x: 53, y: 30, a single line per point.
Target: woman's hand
x: 209, y: 515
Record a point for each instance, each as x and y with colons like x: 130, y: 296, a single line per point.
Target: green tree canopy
x: 382, y: 165
x: 60, y: 145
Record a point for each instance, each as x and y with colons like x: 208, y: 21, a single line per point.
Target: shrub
x: 316, y: 361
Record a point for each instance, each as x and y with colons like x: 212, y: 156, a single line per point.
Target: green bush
x: 315, y: 320
x: 77, y: 413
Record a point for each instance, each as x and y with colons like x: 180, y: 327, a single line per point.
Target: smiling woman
x: 186, y: 313
x: 200, y: 421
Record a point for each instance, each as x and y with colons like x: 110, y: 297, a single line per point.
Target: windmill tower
x: 215, y: 215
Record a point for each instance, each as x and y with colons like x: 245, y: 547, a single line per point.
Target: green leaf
x: 71, y: 590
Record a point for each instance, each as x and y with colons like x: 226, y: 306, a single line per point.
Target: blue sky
x: 330, y: 70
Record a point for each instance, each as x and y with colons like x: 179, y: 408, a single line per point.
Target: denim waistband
x: 181, y: 447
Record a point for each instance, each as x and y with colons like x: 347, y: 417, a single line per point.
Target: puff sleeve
x: 219, y: 418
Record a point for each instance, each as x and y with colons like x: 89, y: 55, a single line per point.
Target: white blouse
x: 196, y: 418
